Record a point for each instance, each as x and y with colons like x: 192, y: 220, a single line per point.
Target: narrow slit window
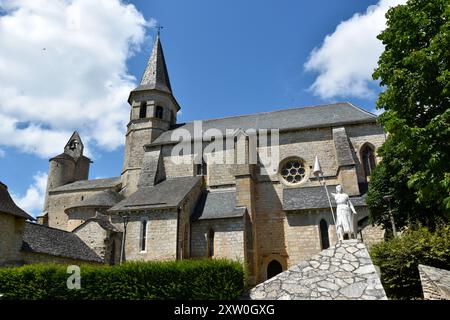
x: 144, y: 235
x: 211, y: 243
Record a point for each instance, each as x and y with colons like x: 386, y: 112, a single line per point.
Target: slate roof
x: 166, y: 194
x: 8, y: 206
x: 89, y: 184
x: 313, y: 198
x: 155, y: 75
x: 152, y: 170
x: 287, y: 119
x: 41, y: 239
x: 344, y: 152
x: 105, y: 199
x: 62, y: 156
x: 217, y: 205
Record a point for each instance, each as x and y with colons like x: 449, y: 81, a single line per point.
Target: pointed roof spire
x: 74, y: 146
x: 155, y: 75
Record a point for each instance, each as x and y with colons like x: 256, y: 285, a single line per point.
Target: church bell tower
x: 153, y: 111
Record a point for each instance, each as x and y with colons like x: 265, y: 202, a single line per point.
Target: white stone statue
x: 344, y: 214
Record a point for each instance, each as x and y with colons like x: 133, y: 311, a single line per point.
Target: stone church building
x: 171, y: 205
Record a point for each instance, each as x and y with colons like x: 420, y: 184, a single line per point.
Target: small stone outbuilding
x: 23, y: 241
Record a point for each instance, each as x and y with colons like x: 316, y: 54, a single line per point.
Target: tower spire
x: 74, y: 146
x: 153, y: 111
x: 155, y: 75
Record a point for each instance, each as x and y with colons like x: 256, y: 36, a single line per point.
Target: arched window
x: 159, y: 112
x: 325, y: 240
x: 143, y: 110
x: 368, y: 159
x: 210, y: 243
x: 273, y: 268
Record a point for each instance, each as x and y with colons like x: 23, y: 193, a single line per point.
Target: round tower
x: 61, y: 171
x: 68, y: 167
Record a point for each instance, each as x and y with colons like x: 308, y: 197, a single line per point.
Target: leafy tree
x: 414, y: 69
x: 400, y: 257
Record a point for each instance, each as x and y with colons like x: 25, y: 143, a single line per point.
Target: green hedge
x: 399, y: 258
x: 188, y: 279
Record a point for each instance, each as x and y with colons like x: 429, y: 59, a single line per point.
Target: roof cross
x: 159, y: 27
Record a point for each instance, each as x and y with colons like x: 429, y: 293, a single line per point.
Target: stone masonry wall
x: 58, y: 202
x: 78, y: 216
x: 305, y: 144
x: 303, y: 233
x: 94, y: 236
x: 361, y: 134
x: 270, y: 234
x: 228, y: 238
x: 372, y: 234
x: 161, y: 236
x: 11, y: 233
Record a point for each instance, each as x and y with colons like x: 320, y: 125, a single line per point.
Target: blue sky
x: 224, y: 58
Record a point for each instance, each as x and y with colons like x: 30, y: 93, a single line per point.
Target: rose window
x: 293, y: 171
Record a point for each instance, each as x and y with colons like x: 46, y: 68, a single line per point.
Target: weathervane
x: 159, y: 27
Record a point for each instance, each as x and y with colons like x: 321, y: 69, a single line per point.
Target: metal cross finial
x: 159, y: 27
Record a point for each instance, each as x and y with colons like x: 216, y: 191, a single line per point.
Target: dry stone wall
x: 435, y: 283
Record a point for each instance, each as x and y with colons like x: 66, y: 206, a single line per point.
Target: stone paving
x: 342, y: 272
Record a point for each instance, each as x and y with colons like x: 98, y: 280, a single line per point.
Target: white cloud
x: 347, y: 58
x: 2, y: 153
x: 33, y: 200
x: 63, y: 67
x: 377, y: 111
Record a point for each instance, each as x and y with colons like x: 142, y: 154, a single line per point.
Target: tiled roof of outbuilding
x: 41, y: 239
